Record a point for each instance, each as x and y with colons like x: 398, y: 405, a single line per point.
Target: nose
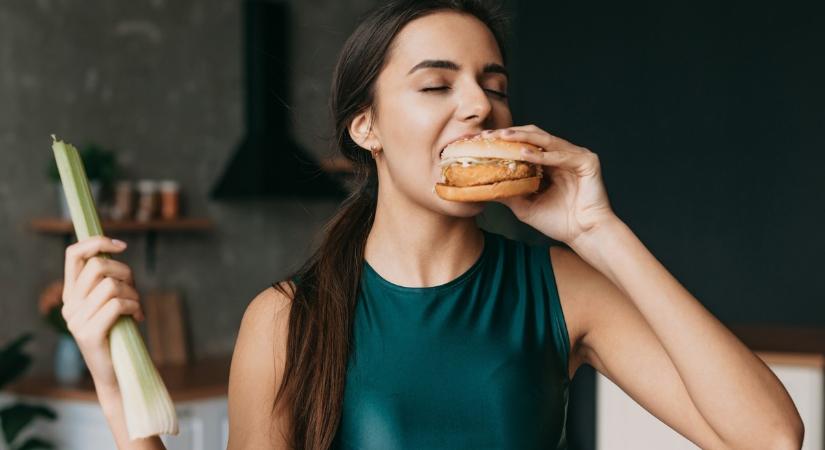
x: 475, y: 105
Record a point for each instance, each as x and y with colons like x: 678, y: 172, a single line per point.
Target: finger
x: 80, y: 311
x: 531, y: 128
x: 101, y: 323
x: 582, y: 163
x: 96, y: 269
x: 107, y: 289
x: 78, y: 253
x: 521, y: 128
x: 538, y: 138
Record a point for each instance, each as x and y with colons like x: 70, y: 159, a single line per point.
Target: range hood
x: 268, y: 162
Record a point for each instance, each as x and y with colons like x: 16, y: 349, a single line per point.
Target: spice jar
x: 124, y: 201
x: 169, y: 199
x: 147, y: 200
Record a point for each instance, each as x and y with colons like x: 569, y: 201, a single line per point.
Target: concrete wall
x: 160, y: 82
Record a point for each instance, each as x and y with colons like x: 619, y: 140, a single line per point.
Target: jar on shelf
x: 124, y: 204
x: 169, y: 199
x: 147, y: 207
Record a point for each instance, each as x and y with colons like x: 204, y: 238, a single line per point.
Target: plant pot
x: 68, y: 362
x: 94, y: 186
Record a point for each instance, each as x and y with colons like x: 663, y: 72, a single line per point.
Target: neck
x: 414, y: 247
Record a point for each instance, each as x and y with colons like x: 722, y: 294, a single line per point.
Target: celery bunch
x: 147, y: 407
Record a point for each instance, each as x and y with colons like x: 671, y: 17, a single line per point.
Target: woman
x: 411, y: 327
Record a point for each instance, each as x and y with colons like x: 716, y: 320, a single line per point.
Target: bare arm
x: 112, y: 406
x: 96, y: 292
x: 257, y: 369
x: 734, y: 392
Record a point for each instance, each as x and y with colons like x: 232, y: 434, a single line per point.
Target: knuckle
x: 109, y: 286
x: 121, y: 303
x: 95, y: 265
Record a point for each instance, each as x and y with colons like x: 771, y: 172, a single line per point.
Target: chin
x: 460, y: 209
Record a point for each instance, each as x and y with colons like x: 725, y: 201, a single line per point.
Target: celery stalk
x: 147, y: 406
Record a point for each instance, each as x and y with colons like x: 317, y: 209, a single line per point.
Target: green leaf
x: 55, y: 319
x: 35, y: 443
x: 15, y: 418
x: 13, y: 361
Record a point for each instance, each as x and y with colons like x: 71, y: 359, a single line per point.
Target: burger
x: 476, y: 169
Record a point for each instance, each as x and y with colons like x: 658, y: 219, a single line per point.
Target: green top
x: 478, y: 362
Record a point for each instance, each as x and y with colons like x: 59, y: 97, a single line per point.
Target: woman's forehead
x: 449, y: 36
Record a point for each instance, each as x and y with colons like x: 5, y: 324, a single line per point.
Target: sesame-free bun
x: 481, y: 147
x: 486, y: 192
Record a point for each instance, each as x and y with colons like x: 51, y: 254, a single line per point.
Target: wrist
x: 592, y: 239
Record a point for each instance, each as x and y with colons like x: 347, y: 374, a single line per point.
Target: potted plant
x: 16, y: 417
x: 101, y: 169
x: 69, y: 366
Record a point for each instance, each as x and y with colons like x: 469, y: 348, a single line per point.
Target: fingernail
x: 118, y: 243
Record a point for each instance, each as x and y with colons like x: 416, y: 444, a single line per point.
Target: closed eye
x: 498, y: 94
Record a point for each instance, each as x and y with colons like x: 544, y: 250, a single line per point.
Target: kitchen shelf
x: 202, y: 379
x: 63, y: 227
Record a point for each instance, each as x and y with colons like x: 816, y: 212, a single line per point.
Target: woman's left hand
x: 575, y: 201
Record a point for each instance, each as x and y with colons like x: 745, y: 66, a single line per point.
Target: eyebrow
x: 450, y: 65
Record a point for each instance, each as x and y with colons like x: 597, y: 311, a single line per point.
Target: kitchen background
x: 707, y: 117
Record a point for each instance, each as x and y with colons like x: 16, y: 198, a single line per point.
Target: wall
x: 160, y: 82
x: 707, y: 118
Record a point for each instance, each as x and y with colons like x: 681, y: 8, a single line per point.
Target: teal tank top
x: 478, y: 362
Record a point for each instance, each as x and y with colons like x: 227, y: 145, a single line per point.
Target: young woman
x: 413, y: 328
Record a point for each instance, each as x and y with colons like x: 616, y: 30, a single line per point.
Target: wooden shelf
x: 203, y: 379
x: 61, y: 226
x: 65, y: 228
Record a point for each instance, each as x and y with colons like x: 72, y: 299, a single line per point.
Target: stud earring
x: 374, y: 151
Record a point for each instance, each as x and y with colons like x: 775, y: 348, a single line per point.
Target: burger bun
x: 487, y: 192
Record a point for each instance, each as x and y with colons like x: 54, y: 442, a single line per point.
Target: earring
x: 374, y: 151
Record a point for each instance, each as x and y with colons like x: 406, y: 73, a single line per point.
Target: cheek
x: 411, y: 127
x: 420, y: 116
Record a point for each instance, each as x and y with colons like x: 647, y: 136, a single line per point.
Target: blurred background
x: 205, y: 123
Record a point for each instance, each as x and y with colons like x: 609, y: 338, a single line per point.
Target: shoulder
x: 265, y: 320
x: 257, y: 368
x: 268, y: 305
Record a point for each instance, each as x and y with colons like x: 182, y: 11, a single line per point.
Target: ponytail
x: 326, y: 288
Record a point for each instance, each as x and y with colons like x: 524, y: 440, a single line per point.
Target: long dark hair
x: 324, y: 297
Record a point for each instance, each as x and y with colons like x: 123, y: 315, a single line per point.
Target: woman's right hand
x: 96, y: 292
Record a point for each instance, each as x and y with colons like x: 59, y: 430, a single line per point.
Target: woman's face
x: 443, y: 79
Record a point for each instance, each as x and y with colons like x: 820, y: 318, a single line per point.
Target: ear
x: 363, y: 131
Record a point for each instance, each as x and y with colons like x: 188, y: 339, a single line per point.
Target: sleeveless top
x: 479, y: 362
